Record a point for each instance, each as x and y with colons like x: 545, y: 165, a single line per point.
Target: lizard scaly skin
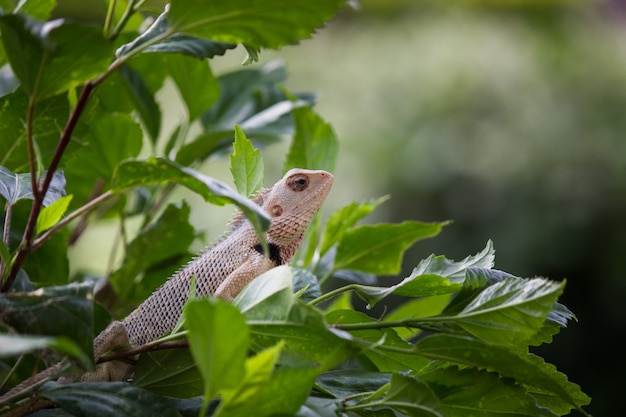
x: 223, y: 269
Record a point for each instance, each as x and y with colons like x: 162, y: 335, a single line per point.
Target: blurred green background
x: 508, y: 117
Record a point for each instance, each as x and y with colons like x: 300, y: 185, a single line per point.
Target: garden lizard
x: 222, y: 270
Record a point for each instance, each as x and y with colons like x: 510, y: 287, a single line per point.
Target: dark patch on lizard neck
x: 274, y: 250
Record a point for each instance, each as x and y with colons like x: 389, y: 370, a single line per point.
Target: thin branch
x: 170, y: 342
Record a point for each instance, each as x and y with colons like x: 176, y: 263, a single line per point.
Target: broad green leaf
x: 49, y: 264
x: 557, y: 319
x: 408, y: 395
x: 14, y: 187
x: 378, y: 249
x: 523, y: 367
x: 305, y: 284
x: 158, y: 38
x: 348, y: 382
x: 49, y: 216
x: 218, y: 340
x: 49, y: 58
x: 509, y: 312
x: 259, y: 369
x: 39, y: 9
x: 109, y: 139
x: 17, y: 344
x: 419, y: 307
x: 254, y: 297
x: 159, y: 170
x: 159, y: 243
x: 195, y: 82
x: 143, y: 100
x: 343, y: 219
x: 254, y: 23
x: 62, y: 312
x: 246, y: 165
x: 107, y: 399
x: 283, y: 394
x: 483, y: 392
x: 49, y: 118
x: 455, y: 271
x: 171, y: 372
x: 314, y: 143
x: 384, y: 360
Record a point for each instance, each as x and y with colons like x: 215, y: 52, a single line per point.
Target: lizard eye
x: 298, y: 182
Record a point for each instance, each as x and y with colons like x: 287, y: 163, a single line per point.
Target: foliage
x: 76, y: 128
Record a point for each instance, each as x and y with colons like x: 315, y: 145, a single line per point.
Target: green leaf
x: 218, y: 340
x: 158, y: 38
x: 65, y: 311
x: 246, y: 165
x: 107, y: 399
x: 167, y: 239
x: 523, y: 367
x: 509, y: 312
x: 49, y: 118
x: 348, y: 382
x: 253, y: 23
x: 49, y: 216
x: 408, y: 395
x: 198, y: 96
x: 38, y: 9
x: 483, y: 392
x: 314, y: 143
x: 15, y: 344
x: 143, y: 100
x: 109, y: 139
x: 15, y: 187
x: 378, y: 249
x: 343, y: 219
x: 384, y: 360
x: 159, y: 170
x: 41, y: 270
x: 49, y: 58
x: 172, y: 373
x: 305, y: 285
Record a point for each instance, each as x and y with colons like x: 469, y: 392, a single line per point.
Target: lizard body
x: 222, y: 270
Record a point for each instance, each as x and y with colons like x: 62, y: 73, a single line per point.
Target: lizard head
x: 293, y: 201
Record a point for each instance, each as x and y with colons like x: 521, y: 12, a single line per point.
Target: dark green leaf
x: 165, y: 239
x: 143, y: 100
x: 523, y: 367
x: 107, y: 399
x: 384, y: 360
x: 157, y: 39
x: 172, y: 373
x: 195, y: 82
x: 483, y: 392
x: 65, y: 311
x: 15, y: 187
x: 253, y: 23
x: 509, y: 312
x: 314, y: 143
x: 418, y: 307
x: 49, y: 264
x: 218, y: 340
x: 50, y: 58
x: 158, y: 170
x: 343, y: 219
x: 246, y: 165
x: 408, y: 395
x: 347, y: 382
x: 557, y: 319
x: 379, y: 248
x: 49, y: 118
x: 305, y: 284
x: 108, y: 140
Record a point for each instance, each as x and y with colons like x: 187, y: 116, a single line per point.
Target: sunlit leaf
x: 314, y: 144
x: 49, y: 216
x: 246, y: 165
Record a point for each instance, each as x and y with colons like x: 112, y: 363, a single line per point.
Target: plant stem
x: 108, y: 21
x: 168, y: 342
x: 333, y: 293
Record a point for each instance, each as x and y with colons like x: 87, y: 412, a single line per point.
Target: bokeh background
x: 508, y: 117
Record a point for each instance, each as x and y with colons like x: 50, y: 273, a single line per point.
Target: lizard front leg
x: 113, y: 337
x: 242, y: 276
